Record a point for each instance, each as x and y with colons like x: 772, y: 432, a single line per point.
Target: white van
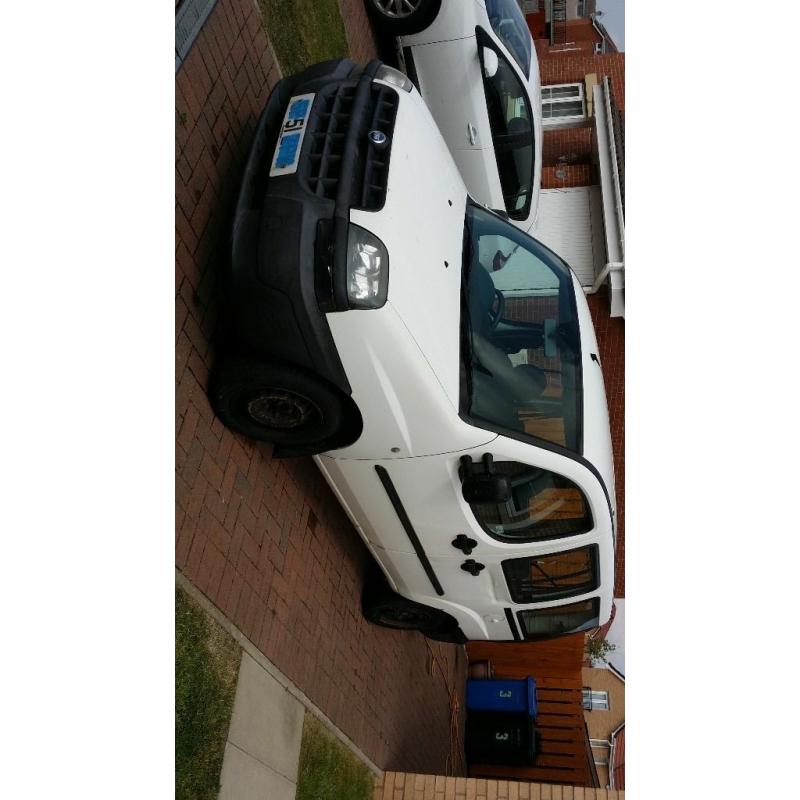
x: 439, y: 364
x: 475, y: 65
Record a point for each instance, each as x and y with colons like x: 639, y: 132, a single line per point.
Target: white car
x: 439, y: 364
x: 475, y: 65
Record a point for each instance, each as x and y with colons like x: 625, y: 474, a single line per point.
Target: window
x: 543, y: 505
x: 520, y: 339
x: 509, y: 24
x: 562, y: 103
x: 543, y: 623
x: 581, y: 8
x: 512, y: 134
x: 594, y: 701
x: 552, y: 576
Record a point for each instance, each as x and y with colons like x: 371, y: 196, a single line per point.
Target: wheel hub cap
x: 279, y: 408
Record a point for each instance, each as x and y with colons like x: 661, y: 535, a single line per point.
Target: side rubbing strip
x: 409, y: 529
x: 512, y: 625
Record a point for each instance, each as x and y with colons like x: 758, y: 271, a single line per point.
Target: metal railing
x: 618, y: 140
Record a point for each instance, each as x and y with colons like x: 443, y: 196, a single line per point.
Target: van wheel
x: 274, y: 402
x: 450, y: 635
x: 402, y: 17
x: 397, y: 612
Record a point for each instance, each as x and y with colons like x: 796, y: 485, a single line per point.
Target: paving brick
x: 265, y: 539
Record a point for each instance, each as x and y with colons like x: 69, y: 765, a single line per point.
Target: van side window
x: 543, y: 505
x: 540, y: 623
x: 552, y: 576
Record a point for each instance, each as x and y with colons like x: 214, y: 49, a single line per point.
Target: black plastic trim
x: 394, y: 498
x: 483, y: 39
x: 411, y: 67
x: 513, y: 625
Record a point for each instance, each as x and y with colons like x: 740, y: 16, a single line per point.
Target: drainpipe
x: 612, y: 266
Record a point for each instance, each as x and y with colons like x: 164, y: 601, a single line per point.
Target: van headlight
x: 394, y: 77
x: 367, y: 269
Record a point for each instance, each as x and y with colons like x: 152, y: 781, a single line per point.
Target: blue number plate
x: 290, y: 141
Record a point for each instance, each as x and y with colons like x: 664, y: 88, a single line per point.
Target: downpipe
x: 611, y: 266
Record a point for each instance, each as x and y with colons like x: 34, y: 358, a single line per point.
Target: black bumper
x: 289, y: 239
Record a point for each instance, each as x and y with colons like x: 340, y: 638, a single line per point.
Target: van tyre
x: 450, y: 634
x: 397, y: 612
x: 274, y: 402
x: 402, y: 17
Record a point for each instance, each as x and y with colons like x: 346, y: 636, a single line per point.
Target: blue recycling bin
x: 502, y: 695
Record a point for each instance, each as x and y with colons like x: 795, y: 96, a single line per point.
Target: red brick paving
x: 264, y: 539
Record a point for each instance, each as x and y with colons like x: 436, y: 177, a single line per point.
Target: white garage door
x: 571, y: 223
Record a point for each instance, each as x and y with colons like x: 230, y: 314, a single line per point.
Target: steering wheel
x: 496, y: 316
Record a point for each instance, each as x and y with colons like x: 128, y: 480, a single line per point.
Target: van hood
x: 422, y: 228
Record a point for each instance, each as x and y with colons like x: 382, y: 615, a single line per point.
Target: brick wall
x: 562, y: 176
x: 567, y: 146
x: 570, y: 150
x: 572, y: 67
x: 409, y: 786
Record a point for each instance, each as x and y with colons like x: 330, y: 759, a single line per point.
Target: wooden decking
x: 564, y: 755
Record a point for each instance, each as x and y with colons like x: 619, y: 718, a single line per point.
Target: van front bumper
x: 289, y: 238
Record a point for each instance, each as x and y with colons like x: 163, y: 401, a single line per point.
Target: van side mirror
x: 490, y: 62
x: 483, y: 485
x: 486, y: 489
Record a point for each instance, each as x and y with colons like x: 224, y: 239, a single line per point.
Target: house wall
x: 572, y: 67
x: 600, y: 722
x: 568, y: 161
x: 410, y: 786
x: 536, y: 25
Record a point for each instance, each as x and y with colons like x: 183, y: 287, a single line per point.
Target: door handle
x: 473, y: 567
x: 472, y: 133
x: 464, y: 543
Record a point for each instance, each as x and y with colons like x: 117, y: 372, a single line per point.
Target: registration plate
x: 290, y: 140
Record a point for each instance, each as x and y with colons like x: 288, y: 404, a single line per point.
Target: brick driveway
x: 264, y: 539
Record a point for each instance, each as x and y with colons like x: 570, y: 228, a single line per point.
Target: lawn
x: 304, y: 31
x: 328, y: 770
x: 206, y: 667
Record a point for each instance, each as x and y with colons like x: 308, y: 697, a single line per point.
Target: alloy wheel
x: 397, y: 9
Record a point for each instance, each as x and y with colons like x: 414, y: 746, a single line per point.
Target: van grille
x: 330, y: 125
x: 328, y: 131
x: 376, y: 167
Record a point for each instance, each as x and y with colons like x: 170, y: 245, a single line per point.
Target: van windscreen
x: 520, y: 340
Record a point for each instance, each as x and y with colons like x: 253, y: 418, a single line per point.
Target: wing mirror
x: 485, y: 486
x: 490, y: 62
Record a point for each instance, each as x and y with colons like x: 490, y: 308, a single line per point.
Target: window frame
x: 563, y: 271
x: 500, y: 537
x: 484, y: 39
x: 563, y: 118
x: 597, y: 699
x: 586, y: 588
x: 585, y: 626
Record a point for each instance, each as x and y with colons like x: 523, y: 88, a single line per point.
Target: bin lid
x: 533, y: 708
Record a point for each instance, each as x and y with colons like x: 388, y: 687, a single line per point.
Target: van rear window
x: 540, y: 623
x: 552, y: 576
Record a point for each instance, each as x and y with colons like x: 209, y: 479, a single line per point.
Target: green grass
x: 328, y: 770
x: 206, y: 667
x: 304, y: 31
